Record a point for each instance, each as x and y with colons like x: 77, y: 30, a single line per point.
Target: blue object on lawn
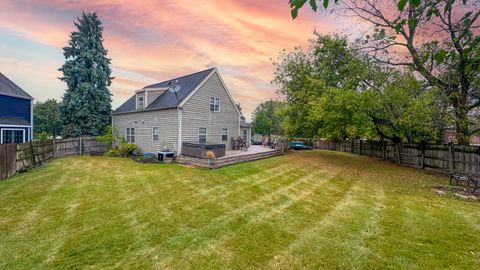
x: 149, y: 154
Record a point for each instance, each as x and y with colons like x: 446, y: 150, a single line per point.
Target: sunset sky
x: 152, y: 41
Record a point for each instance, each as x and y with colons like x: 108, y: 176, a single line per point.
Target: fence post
x: 451, y: 164
x: 384, y: 150
x: 371, y: 148
x: 397, y: 149
x: 422, y: 155
x: 80, y: 144
x: 352, y: 147
x: 53, y: 145
x: 361, y: 143
x: 33, y: 153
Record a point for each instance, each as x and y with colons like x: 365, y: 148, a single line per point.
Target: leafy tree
x: 86, y: 106
x: 46, y: 118
x: 334, y: 91
x: 266, y: 118
x: 438, y: 39
x: 341, y: 114
x: 304, y: 76
x: 262, y: 124
x: 404, y: 110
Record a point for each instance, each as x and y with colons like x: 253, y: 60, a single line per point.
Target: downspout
x: 179, y: 131
x: 31, y: 120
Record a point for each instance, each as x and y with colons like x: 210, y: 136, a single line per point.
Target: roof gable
x: 168, y: 99
x: 223, y: 86
x: 9, y: 88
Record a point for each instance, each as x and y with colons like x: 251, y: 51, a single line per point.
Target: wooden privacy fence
x: 20, y: 157
x: 439, y: 157
x: 8, y: 160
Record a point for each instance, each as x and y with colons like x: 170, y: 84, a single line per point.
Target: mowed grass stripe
x: 274, y: 203
x: 315, y: 209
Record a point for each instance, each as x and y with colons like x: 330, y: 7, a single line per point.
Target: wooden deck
x: 254, y: 152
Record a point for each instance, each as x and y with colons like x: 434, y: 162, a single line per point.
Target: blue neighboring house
x: 16, y: 113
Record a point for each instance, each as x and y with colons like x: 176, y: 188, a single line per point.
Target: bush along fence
x: 21, y: 157
x: 445, y: 158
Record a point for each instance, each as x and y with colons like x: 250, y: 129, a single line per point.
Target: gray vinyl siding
x: 165, y: 120
x: 152, y: 95
x: 196, y: 114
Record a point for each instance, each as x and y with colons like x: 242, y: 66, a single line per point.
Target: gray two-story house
x: 201, y: 110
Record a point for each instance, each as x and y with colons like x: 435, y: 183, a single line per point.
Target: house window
x: 214, y: 104
x: 245, y: 134
x: 141, y: 102
x: 130, y: 135
x: 224, y: 134
x: 13, y: 136
x: 155, y: 133
x: 202, y: 136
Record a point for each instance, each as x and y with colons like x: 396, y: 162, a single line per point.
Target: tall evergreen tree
x: 86, y: 106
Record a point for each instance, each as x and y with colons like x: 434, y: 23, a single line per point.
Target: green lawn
x: 315, y: 209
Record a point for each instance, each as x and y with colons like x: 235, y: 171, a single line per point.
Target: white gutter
x: 31, y: 120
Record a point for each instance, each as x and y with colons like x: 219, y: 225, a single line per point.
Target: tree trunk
x: 461, y: 124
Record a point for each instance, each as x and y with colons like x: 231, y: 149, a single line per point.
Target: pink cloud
x: 159, y: 39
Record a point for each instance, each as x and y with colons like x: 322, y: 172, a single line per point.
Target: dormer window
x: 141, y: 102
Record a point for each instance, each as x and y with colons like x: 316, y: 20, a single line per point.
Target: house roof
x: 9, y: 88
x: 10, y: 120
x: 168, y: 99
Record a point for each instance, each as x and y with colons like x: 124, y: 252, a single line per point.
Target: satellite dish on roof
x: 174, y: 87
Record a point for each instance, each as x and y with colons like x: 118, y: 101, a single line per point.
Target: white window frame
x: 143, y: 102
x: 215, y: 102
x: 206, y: 136
x: 223, y: 129
x: 153, y: 134
x: 13, y: 135
x: 127, y: 135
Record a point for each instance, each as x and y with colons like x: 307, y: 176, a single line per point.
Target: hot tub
x: 200, y: 150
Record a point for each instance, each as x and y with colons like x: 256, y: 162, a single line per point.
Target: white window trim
x: 153, y: 134
x: 206, y: 134
x: 138, y: 101
x: 214, y: 98
x: 221, y: 134
x: 126, y: 138
x: 12, y: 129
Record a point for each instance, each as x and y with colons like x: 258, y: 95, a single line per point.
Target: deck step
x: 227, y: 160
x: 239, y: 159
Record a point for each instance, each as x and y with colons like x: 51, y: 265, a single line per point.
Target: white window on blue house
x: 155, y: 133
x: 224, y: 134
x: 13, y: 136
x: 214, y: 104
x: 202, y: 135
x: 130, y: 135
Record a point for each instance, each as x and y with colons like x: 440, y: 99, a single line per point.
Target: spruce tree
x: 86, y: 106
